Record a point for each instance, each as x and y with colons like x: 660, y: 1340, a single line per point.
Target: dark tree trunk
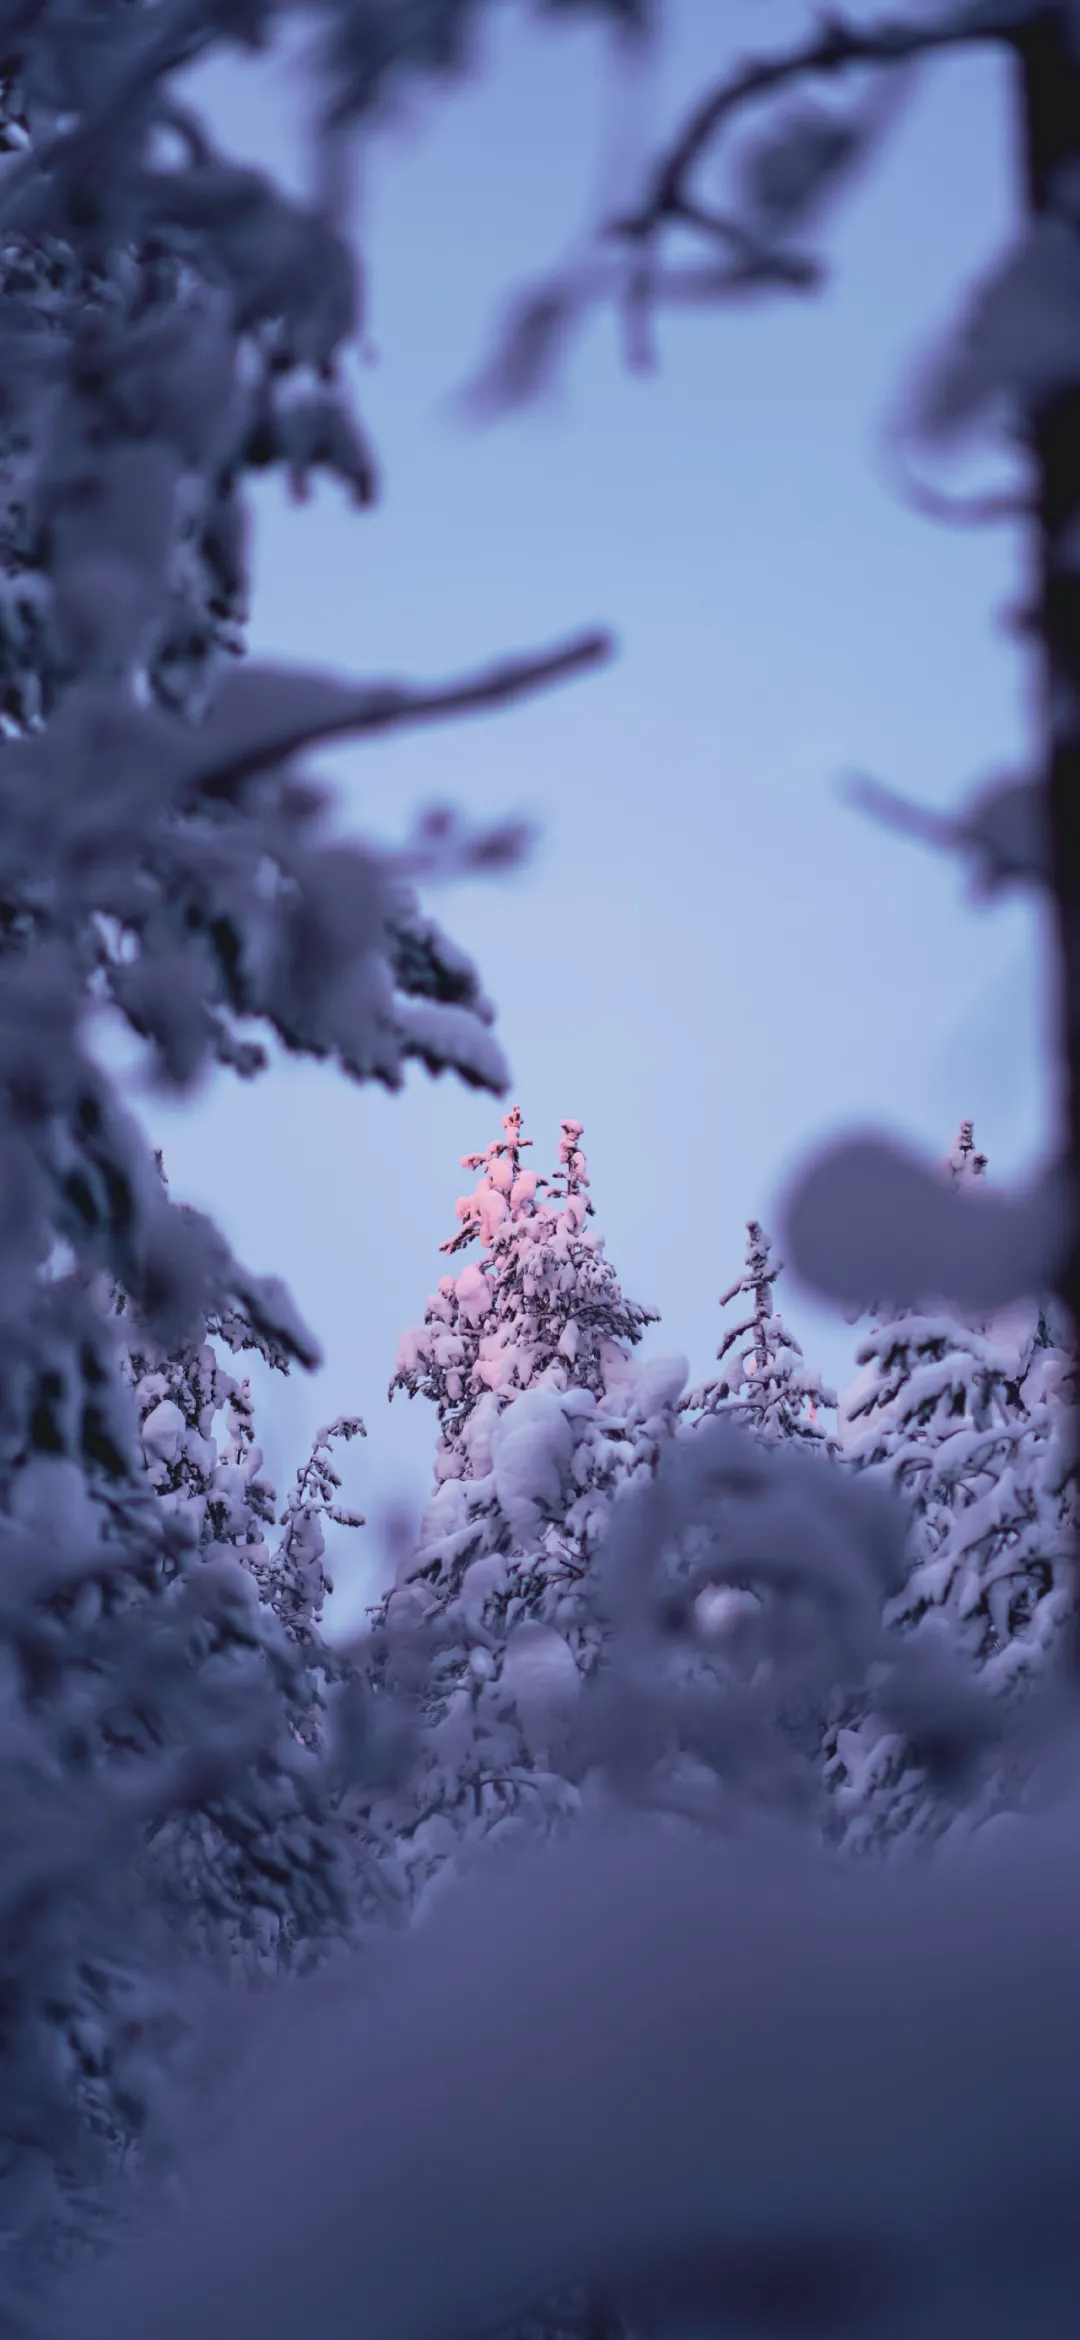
x: 1049, y: 70
x: 1050, y: 112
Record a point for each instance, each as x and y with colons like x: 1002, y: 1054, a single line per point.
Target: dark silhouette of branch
x: 832, y: 49
x: 898, y: 812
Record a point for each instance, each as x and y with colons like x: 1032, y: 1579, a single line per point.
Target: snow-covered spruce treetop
x: 540, y: 1312
x: 766, y: 1389
x: 966, y: 1164
x: 766, y: 1382
x: 544, y: 1418
x: 540, y: 1307
x: 970, y: 1424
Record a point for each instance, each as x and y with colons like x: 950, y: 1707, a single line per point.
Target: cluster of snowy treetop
x: 547, y: 1419
x: 627, y: 1595
x: 601, y: 1541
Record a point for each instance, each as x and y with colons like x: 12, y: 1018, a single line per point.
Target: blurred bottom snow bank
x: 737, y: 2085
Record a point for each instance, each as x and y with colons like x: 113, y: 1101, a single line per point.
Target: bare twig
x: 900, y: 813
x: 832, y: 49
x: 758, y: 259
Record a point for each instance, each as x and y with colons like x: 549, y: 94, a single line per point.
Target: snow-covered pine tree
x: 766, y: 1382
x: 540, y: 1307
x: 969, y: 1424
x: 527, y: 1356
x: 764, y: 1387
x: 294, y: 1579
x: 155, y: 1694
x: 145, y: 1705
x: 967, y: 1166
x: 262, y: 1877
x: 158, y: 1687
x: 539, y: 1311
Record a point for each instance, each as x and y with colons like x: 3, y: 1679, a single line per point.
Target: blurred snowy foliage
x: 605, y: 2030
x: 170, y: 323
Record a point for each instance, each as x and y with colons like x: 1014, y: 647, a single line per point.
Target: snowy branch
x: 342, y: 711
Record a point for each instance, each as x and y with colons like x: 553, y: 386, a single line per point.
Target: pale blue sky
x: 710, y: 960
